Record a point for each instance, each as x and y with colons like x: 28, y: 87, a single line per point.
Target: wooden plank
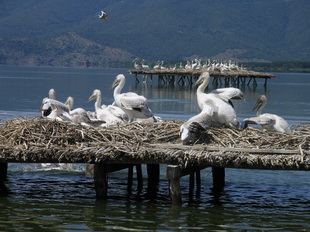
x: 225, y: 149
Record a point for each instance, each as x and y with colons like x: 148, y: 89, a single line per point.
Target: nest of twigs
x: 23, y: 133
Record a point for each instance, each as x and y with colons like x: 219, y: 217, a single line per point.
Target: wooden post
x: 139, y: 177
x: 3, y: 171
x: 191, y: 184
x: 130, y: 176
x: 218, y: 174
x: 173, y: 175
x: 153, y: 173
x: 101, y: 181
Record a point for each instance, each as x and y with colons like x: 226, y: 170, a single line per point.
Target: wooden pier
x: 236, y: 78
x: 37, y: 140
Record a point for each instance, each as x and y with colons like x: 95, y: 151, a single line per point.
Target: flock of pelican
x: 196, y: 64
x: 217, y: 110
x: 126, y: 107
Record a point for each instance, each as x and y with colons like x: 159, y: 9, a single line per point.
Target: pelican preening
x: 134, y: 105
x: 103, y: 15
x: 270, y: 122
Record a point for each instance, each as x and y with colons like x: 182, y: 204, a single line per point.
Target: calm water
x: 60, y: 198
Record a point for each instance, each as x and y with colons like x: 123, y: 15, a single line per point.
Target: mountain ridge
x: 245, y: 30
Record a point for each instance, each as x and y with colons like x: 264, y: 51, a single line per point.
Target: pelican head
x: 117, y: 80
x: 204, y: 76
x: 70, y: 102
x: 260, y: 104
x: 46, y: 107
x: 94, y: 95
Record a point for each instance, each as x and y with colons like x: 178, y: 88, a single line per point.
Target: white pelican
x: 53, y: 109
x: 103, y: 15
x: 52, y: 94
x: 223, y: 111
x: 134, y: 105
x: 110, y: 114
x: 80, y: 115
x: 190, y: 130
x: 270, y: 122
x: 137, y: 66
x: 144, y: 66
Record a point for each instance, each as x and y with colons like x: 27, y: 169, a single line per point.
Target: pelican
x: 134, y: 105
x: 223, y: 111
x: 270, y: 122
x: 52, y: 94
x: 191, y: 129
x: 137, y: 66
x: 103, y: 15
x: 110, y: 114
x: 144, y: 66
x: 79, y: 115
x: 53, y: 109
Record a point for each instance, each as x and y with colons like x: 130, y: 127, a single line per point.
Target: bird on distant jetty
x: 110, y: 114
x: 270, y: 122
x: 136, y: 65
x: 134, y: 105
x: 219, y: 101
x: 103, y: 15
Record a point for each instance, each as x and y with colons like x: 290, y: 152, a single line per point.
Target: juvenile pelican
x: 80, y: 115
x: 53, y: 109
x: 270, y: 122
x: 52, y: 94
x: 110, y: 114
x: 190, y: 130
x: 222, y: 108
x: 134, y: 105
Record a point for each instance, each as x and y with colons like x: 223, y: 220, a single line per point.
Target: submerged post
x: 174, y: 174
x: 218, y: 174
x: 3, y: 171
x: 101, y: 181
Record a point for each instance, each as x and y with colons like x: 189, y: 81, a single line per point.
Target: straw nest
x: 35, y: 139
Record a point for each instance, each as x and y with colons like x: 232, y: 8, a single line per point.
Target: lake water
x: 60, y: 198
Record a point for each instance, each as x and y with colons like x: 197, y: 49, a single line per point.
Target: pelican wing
x: 133, y: 102
x: 230, y: 93
x: 118, y: 112
x: 261, y: 120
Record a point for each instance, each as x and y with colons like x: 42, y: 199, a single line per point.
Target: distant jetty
x: 236, y: 78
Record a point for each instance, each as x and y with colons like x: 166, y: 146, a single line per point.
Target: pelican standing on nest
x: 270, y: 122
x: 110, y: 114
x: 220, y: 103
x: 134, y: 105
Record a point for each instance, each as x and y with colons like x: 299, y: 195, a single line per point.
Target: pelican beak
x: 115, y: 83
x: 92, y: 97
x: 200, y: 80
x: 257, y: 105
